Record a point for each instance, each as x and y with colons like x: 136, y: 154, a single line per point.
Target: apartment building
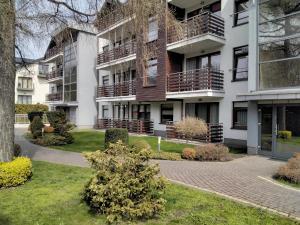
x: 201, y: 70
x: 70, y: 59
x: 31, y: 84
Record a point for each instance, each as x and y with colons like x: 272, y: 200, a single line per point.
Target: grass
x: 90, y: 141
x: 285, y: 182
x: 52, y: 196
x: 293, y: 141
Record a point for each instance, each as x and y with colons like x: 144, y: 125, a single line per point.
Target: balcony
x: 196, y: 83
x: 196, y: 34
x: 54, y: 97
x: 55, y: 75
x: 133, y: 126
x: 126, y: 50
x: 116, y: 16
x: 127, y: 88
x: 28, y: 88
x: 214, y: 133
x: 54, y: 51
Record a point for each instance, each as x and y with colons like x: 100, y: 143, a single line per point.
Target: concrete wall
x: 86, y: 80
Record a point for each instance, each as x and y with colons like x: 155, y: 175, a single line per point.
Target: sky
x: 35, y: 49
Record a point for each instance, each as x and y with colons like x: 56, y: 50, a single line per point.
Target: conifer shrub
x: 37, y: 127
x: 113, y: 135
x: 125, y: 186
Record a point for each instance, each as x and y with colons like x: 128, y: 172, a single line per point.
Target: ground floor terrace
x: 158, y: 118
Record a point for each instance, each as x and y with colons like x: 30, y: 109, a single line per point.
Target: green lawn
x: 294, y: 185
x: 89, y: 141
x: 52, y: 197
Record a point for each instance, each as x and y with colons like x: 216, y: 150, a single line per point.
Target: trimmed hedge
x: 26, y: 108
x: 31, y: 115
x: 15, y: 173
x: 114, y: 135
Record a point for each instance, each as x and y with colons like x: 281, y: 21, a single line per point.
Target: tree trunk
x: 7, y: 79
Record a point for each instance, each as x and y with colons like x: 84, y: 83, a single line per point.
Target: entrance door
x: 280, y: 130
x: 287, y: 127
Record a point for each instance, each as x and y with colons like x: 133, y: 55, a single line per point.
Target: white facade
x: 72, y: 77
x: 31, y: 84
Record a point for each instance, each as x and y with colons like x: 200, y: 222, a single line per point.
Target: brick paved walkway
x: 239, y: 179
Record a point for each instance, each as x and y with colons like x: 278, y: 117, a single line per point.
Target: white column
x: 252, y: 123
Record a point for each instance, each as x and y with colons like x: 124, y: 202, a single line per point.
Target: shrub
x: 126, y: 186
x: 37, y: 127
x: 291, y: 171
x: 166, y: 156
x: 15, y: 173
x: 51, y: 140
x: 188, y: 153
x: 141, y: 145
x: 27, y: 108
x: 114, y: 135
x: 285, y: 134
x: 191, y: 127
x: 48, y: 129
x: 58, y: 121
x: 17, y: 150
x: 212, y: 152
x: 31, y: 115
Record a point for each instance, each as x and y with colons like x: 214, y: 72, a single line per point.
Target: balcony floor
x: 116, y: 62
x: 196, y: 94
x: 196, y: 44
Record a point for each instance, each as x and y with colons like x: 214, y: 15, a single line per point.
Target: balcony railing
x: 213, y: 135
x: 53, y: 51
x: 122, y: 89
x: 119, y: 52
x: 194, y: 80
x: 205, y: 23
x: 119, y: 14
x: 133, y: 126
x: 54, y: 97
x: 55, y: 74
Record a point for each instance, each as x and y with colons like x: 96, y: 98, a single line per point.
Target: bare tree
x: 29, y: 19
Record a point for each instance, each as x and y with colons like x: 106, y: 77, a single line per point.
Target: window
x: 70, y: 52
x: 240, y: 61
x: 105, y: 81
x: 24, y: 99
x: 105, y: 48
x: 204, y: 61
x: 105, y: 111
x: 209, y: 112
x: 141, y: 112
x: 166, y: 113
x: 150, y: 78
x: 279, y: 55
x: 152, y: 29
x: 43, y: 69
x: 214, y: 8
x: 241, y: 14
x: 25, y: 83
x: 71, y: 84
x: 239, y: 111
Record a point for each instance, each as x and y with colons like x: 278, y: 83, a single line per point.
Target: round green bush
x: 37, y: 127
x: 114, y: 135
x: 140, y: 145
x: 15, y: 173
